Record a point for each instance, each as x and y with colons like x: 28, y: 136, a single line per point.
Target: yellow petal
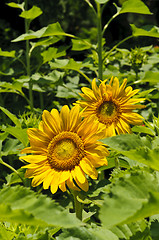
x: 38, y: 179
x: 65, y: 117
x: 50, y: 122
x: 34, y: 158
x: 80, y: 178
x: 55, y: 182
x: 88, y: 168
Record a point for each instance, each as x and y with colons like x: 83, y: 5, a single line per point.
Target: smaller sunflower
x: 112, y: 105
x: 64, y: 150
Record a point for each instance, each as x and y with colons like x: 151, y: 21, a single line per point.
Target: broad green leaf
x: 135, y: 148
x: 134, y: 195
x: 19, y: 133
x: 151, y: 77
x: 144, y: 155
x: 11, y: 116
x: 7, y: 54
x: 83, y: 233
x: 134, y: 6
x: 31, y: 14
x: 147, y: 31
x: 66, y: 64
x: 52, y: 53
x: 51, y: 30
x: 16, y: 5
x: 123, y: 142
x: 80, y: 45
x: 133, y: 231
x: 21, y: 205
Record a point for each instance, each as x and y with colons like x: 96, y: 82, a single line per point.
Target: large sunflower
x: 64, y: 150
x: 112, y: 106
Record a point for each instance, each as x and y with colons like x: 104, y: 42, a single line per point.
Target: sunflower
x: 112, y: 106
x: 64, y: 150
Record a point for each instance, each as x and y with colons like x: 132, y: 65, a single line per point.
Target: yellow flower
x: 64, y: 150
x: 112, y: 106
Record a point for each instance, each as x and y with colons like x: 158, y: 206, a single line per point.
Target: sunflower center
x: 107, y: 109
x: 65, y: 151
x: 107, y: 112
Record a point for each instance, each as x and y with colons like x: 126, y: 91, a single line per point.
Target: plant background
x: 125, y: 204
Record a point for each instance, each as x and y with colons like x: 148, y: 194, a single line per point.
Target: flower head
x: 112, y: 105
x: 64, y: 150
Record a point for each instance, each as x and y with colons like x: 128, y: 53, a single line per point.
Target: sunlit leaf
x: 16, y: 5
x: 31, y: 14
x: 5, y: 234
x: 134, y: 6
x: 51, y: 30
x: 143, y: 129
x: 7, y: 54
x: 21, y: 205
x: 147, y: 31
x: 18, y: 133
x: 102, y: 1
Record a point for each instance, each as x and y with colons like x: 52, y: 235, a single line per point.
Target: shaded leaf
x: 80, y: 44
x: 11, y: 116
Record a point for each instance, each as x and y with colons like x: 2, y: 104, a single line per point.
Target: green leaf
x: 123, y: 142
x: 102, y: 1
x: 51, y: 30
x: 143, y: 129
x: 20, y: 134
x: 134, y: 195
x: 31, y: 14
x: 11, y: 116
x: 11, y: 146
x: 147, y: 31
x: 151, y: 77
x: 80, y: 45
x: 84, y: 233
x: 16, y: 5
x: 7, y: 54
x: 134, y: 6
x: 5, y: 234
x: 21, y: 205
x: 133, y: 231
x: 135, y: 148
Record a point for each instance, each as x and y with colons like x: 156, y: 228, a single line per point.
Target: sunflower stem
x: 77, y: 205
x: 117, y: 163
x: 100, y: 49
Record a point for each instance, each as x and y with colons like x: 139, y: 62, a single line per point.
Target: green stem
x: 27, y: 24
x: 100, y: 48
x: 11, y: 168
x: 77, y: 205
x: 117, y: 163
x: 107, y: 24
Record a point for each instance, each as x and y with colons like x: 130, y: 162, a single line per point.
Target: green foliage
x: 46, y: 70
